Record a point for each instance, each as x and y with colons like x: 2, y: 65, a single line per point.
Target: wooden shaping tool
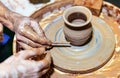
x: 56, y: 44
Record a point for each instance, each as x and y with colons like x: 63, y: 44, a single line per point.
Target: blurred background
x: 115, y: 2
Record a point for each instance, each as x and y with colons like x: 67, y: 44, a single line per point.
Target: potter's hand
x: 28, y: 31
x: 20, y: 66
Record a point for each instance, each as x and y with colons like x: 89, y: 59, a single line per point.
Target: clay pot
x: 77, y: 28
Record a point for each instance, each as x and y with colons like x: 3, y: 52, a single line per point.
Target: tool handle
x: 67, y: 44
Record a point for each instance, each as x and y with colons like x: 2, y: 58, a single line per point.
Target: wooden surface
x: 86, y: 58
x: 94, y: 5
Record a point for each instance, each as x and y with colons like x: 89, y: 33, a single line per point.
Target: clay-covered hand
x: 20, y: 65
x: 28, y: 31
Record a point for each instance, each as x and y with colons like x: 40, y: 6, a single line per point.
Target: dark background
x: 6, y: 50
x: 115, y: 2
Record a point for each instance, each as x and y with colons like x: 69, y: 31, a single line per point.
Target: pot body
x: 77, y: 25
x: 78, y: 36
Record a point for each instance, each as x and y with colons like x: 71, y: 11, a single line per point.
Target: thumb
x: 40, y: 50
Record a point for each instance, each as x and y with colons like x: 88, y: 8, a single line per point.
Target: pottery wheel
x: 85, y: 58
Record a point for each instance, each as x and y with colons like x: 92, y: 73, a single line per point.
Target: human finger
x: 45, y: 63
x: 26, y: 54
x: 27, y: 41
x: 39, y: 50
x: 27, y: 32
x: 36, y: 27
x: 24, y: 46
x: 30, y: 34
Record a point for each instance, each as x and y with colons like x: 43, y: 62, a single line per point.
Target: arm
x: 8, y: 17
x: 4, y: 16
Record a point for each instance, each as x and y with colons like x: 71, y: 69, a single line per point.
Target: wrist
x: 3, y: 11
x: 4, y: 14
x: 12, y: 16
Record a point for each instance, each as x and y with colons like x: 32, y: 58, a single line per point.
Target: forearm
x: 7, y: 17
x: 3, y: 10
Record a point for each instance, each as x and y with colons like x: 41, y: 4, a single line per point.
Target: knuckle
x: 18, y: 37
x: 20, y: 31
